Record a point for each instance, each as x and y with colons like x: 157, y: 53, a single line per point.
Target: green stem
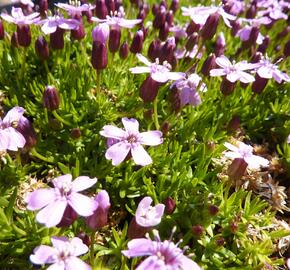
x: 98, y: 81
x: 155, y: 113
x: 59, y: 118
x: 92, y: 257
x: 34, y: 153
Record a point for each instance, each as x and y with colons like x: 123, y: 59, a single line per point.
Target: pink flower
x: 24, y: 2
x: 130, y: 140
x: 50, y: 24
x: 162, y: 255
x: 75, y: 11
x: 10, y: 137
x: 233, y: 72
x: 53, y: 201
x: 200, y: 14
x: 17, y: 17
x: 274, y: 9
x: 148, y: 216
x: 245, y: 152
x: 159, y: 73
x: 63, y: 255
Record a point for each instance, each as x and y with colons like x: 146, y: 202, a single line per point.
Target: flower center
x: 132, y: 139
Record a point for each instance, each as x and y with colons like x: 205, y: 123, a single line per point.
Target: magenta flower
x: 147, y: 215
x: 245, y: 152
x: 10, y: 137
x: 233, y: 72
x: 50, y: 24
x: 17, y: 17
x: 53, y: 201
x: 101, y: 33
x: 116, y: 20
x: 267, y: 70
x: 162, y: 255
x: 130, y: 140
x: 200, y: 14
x: 75, y: 11
x: 63, y: 255
x: 159, y: 73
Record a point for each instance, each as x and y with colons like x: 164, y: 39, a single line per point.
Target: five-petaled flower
x: 53, y: 201
x: 130, y: 140
x: 159, y: 73
x: 162, y: 255
x: 17, y: 17
x: 245, y: 152
x: 233, y: 72
x: 63, y: 255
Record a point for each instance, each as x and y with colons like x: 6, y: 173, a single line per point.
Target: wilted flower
x: 233, y: 72
x: 17, y: 17
x: 244, y: 151
x: 10, y: 137
x: 53, y: 201
x: 162, y: 255
x: 130, y: 140
x: 63, y: 255
x: 159, y: 73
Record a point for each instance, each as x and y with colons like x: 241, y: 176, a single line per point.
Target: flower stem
x: 92, y: 257
x: 98, y: 81
x: 155, y: 113
x: 34, y: 153
x: 59, y: 118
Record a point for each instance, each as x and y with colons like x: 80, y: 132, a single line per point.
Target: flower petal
x: 143, y: 59
x: 255, y: 162
x: 16, y: 139
x: 140, y: 70
x: 151, y: 137
x: 79, y: 247
x: 131, y: 125
x: 231, y: 147
x: 114, y: 132
x: 43, y: 254
x: 175, y: 75
x: 160, y: 76
x: 223, y: 61
x: 140, y: 156
x: 152, y: 263
x: 82, y: 183
x: 188, y: 264
x: 74, y: 263
x: 138, y: 247
x: 40, y: 198
x: 217, y: 72
x: 13, y: 115
x: 82, y: 204
x: 59, y: 242
x: 118, y: 152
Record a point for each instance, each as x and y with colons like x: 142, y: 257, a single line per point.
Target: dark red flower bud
x: 99, y: 55
x: 256, y: 57
x: 236, y: 26
x: 69, y: 216
x: 252, y: 38
x: 78, y: 33
x: 43, y: 7
x: 56, y: 39
x: 155, y: 9
x: 174, y: 5
x: 167, y: 51
x: 146, y: 8
x: 210, y: 26
x: 149, y: 89
x: 220, y: 45
x: 227, y: 87
x: 51, y: 98
x: 85, y: 238
x: 251, y: 12
x: 160, y: 18
x: 237, y: 169
x: 114, y: 39
x: 208, y: 64
x: 41, y: 48
x: 197, y: 230
x: 101, y: 9
x: 263, y: 47
x: 213, y: 209
x: 137, y: 42
x: 135, y: 230
x: 234, y: 227
x: 2, y: 32
x: 75, y: 133
x: 234, y: 123
x: 220, y: 241
x: 192, y: 27
x: 174, y: 98
x: 124, y: 50
x: 154, y: 50
x: 24, y: 35
x: 164, y: 31
x: 286, y: 50
x: 110, y: 6
x: 88, y: 14
x: 283, y: 33
x: 192, y: 40
x: 141, y: 14
x: 26, y: 129
x: 169, y: 18
x: 14, y: 40
x: 259, y: 84
x: 170, y: 205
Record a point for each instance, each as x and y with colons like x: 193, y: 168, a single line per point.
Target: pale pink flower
x: 159, y: 73
x: 147, y: 215
x: 233, y: 72
x: 17, y: 17
x: 274, y: 9
x: 182, y: 53
x: 53, y: 201
x: 130, y: 140
x: 24, y: 2
x: 245, y: 152
x: 179, y: 32
x: 75, y: 11
x: 63, y: 255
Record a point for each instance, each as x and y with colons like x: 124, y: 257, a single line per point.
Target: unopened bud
x: 99, y: 55
x: 101, y: 9
x: 237, y: 169
x: 210, y: 26
x: 234, y: 227
x: 174, y: 5
x: 14, y: 40
x: 137, y: 42
x: 41, y: 48
x: 192, y: 40
x: 220, y: 241
x: 51, y: 98
x: 75, y: 133
x: 286, y: 50
x: 114, y: 39
x: 227, y: 87
x: 265, y: 44
x: 85, y: 238
x: 220, y: 45
x: 165, y: 128
x: 2, y: 32
x: 26, y: 129
x: 251, y: 12
x: 149, y: 89
x: 160, y: 18
x: 154, y: 50
x: 164, y: 31
x: 56, y: 39
x: 192, y: 27
x: 236, y: 26
x: 234, y: 123
x: 24, y: 35
x: 155, y: 9
x: 208, y: 64
x: 124, y: 50
x: 197, y: 230
x: 169, y: 18
x: 213, y: 209
x: 259, y: 84
x: 78, y: 33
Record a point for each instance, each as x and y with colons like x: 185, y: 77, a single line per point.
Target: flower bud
x: 174, y: 5
x: 85, y: 238
x: 252, y: 38
x: 135, y: 230
x: 154, y: 50
x: 197, y: 230
x: 114, y: 39
x: 192, y: 27
x: 110, y: 6
x: 286, y: 50
x: 137, y: 42
x: 14, y: 40
x: 237, y: 169
x: 100, y: 217
x: 99, y: 55
x: 208, y: 64
x: 263, y: 47
x: 227, y: 87
x: 56, y: 39
x: 210, y: 26
x: 149, y: 89
x: 236, y: 26
x: 165, y: 128
x: 75, y: 133
x: 163, y: 4
x: 2, y: 32
x: 256, y: 57
x: 51, y: 98
x: 155, y: 9
x: 192, y: 40
x: 160, y: 18
x: 169, y: 18
x: 69, y: 216
x: 26, y: 129
x: 259, y: 84
x: 24, y: 35
x: 283, y: 33
x: 251, y: 12
x: 41, y: 48
x: 78, y: 33
x: 220, y: 45
x: 220, y: 241
x: 148, y: 114
x: 234, y: 123
x: 167, y: 51
x: 43, y: 7
x: 124, y: 50
x: 141, y: 15
x: 213, y: 209
x: 101, y: 9
x: 101, y: 33
x: 234, y: 227
x: 164, y: 31
x: 170, y: 205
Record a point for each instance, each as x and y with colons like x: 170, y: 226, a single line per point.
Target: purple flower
x: 24, y: 2
x: 181, y: 53
x: 162, y: 255
x: 17, y: 17
x: 53, y: 201
x: 50, y: 24
x: 244, y: 151
x: 233, y: 72
x: 267, y: 70
x: 274, y: 9
x: 75, y: 11
x: 130, y: 140
x: 159, y: 73
x: 148, y: 216
x: 116, y: 20
x: 178, y: 32
x: 10, y: 137
x: 101, y: 33
x: 63, y: 255
x: 200, y: 14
